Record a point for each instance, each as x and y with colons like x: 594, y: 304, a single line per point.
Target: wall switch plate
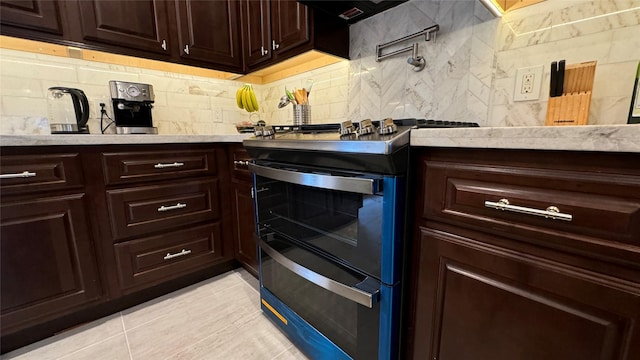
x: 528, y: 81
x: 217, y: 113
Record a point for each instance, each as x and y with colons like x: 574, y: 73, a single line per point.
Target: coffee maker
x: 132, y: 104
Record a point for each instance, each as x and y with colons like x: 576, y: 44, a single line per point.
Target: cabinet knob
x: 186, y: 49
x: 274, y: 45
x: 164, y: 45
x: 263, y: 51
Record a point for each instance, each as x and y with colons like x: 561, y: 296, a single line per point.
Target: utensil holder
x: 572, y: 108
x: 301, y: 114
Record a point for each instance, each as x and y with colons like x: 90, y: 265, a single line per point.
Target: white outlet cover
x: 518, y: 93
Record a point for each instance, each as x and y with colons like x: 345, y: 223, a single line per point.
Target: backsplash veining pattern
x: 469, y: 76
x: 456, y: 81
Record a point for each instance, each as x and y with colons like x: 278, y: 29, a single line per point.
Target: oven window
x: 351, y: 326
x: 344, y: 226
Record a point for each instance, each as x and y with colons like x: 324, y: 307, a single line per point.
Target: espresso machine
x: 132, y: 104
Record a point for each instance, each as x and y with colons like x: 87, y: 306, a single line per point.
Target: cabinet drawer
x: 159, y: 258
x: 146, y: 209
x: 240, y: 160
x: 604, y: 208
x: 127, y: 167
x: 37, y: 172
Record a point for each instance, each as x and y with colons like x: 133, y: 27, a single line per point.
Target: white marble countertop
x: 616, y: 138
x: 90, y: 139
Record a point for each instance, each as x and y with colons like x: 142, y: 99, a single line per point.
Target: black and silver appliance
x: 132, y: 104
x: 330, y: 210
x: 68, y: 110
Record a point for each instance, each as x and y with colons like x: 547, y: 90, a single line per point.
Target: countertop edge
x: 608, y: 138
x: 78, y: 139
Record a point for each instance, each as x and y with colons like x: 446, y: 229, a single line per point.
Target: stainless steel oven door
x: 339, y: 303
x: 338, y: 214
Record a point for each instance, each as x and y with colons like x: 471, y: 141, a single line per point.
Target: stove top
x: 381, y: 137
x: 380, y: 146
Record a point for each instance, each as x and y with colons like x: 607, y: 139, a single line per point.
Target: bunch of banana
x: 246, y: 98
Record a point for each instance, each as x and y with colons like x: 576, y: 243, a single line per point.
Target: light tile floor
x: 219, y: 318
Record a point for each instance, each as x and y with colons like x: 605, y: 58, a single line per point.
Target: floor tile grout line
x: 280, y: 353
x: 86, y: 347
x: 126, y: 337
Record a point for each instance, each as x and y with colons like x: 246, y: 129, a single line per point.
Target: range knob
x: 387, y: 127
x: 366, y: 127
x: 268, y: 131
x: 346, y: 128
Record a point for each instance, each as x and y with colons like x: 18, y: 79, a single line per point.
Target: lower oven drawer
x: 141, y: 210
x: 144, y: 262
x: 329, y: 298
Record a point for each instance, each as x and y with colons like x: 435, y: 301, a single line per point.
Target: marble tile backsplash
x: 469, y: 75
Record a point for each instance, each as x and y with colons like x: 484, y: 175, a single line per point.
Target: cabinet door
x: 244, y: 226
x: 39, y: 15
x: 479, y: 301
x: 209, y: 31
x: 290, y: 25
x: 47, y: 261
x: 139, y: 25
x: 256, y: 28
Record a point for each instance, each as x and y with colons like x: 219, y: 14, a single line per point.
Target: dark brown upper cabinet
x: 39, y: 18
x: 289, y: 24
x: 236, y: 36
x: 275, y: 30
x: 256, y: 18
x: 140, y: 25
x: 209, y: 32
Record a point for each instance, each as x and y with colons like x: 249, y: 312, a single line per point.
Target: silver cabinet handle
x: 162, y: 166
x: 551, y: 212
x: 24, y: 174
x: 354, y: 294
x: 342, y: 183
x: 178, y: 254
x: 274, y: 45
x: 240, y: 162
x: 186, y: 49
x: 164, y: 44
x: 263, y: 51
x: 172, y: 207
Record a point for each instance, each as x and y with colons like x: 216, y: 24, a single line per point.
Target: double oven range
x: 330, y: 209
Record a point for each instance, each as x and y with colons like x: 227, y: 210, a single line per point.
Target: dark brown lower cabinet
x: 480, y: 301
x: 244, y: 220
x: 48, y: 264
x: 525, y: 254
x: 245, y: 247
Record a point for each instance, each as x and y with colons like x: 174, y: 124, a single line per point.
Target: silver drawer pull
x: 172, y: 207
x: 162, y: 166
x: 24, y: 174
x: 178, y: 254
x: 240, y: 162
x: 551, y: 212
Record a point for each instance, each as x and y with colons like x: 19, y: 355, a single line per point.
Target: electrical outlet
x: 217, y: 113
x: 528, y: 81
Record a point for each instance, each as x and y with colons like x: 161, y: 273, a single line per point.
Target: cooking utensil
x: 289, y: 95
x: 284, y: 101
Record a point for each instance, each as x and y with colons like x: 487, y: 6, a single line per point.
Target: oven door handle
x: 351, y: 293
x: 350, y: 184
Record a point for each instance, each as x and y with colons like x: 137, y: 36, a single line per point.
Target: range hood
x: 351, y: 11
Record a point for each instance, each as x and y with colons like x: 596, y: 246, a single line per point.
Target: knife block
x: 572, y: 108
